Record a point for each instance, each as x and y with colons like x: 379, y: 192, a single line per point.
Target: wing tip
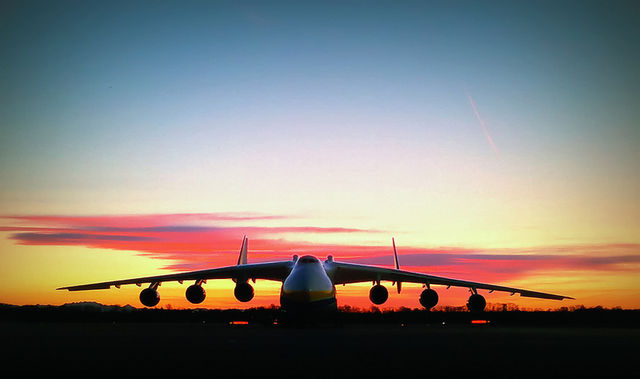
x: 542, y: 295
x: 97, y: 286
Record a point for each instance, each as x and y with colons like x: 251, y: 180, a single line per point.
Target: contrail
x: 484, y: 127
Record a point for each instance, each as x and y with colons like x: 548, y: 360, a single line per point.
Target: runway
x: 223, y: 350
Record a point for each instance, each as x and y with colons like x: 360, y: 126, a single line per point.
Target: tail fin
x: 395, y: 258
x: 395, y: 253
x: 242, y: 258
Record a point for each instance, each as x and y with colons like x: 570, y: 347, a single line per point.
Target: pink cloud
x: 144, y: 220
x: 197, y: 241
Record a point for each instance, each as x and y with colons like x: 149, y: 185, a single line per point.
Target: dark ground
x: 358, y: 347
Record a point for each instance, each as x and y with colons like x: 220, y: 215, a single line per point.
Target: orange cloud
x: 198, y: 241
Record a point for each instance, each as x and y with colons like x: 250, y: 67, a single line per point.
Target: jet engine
x: 429, y: 298
x: 195, y: 294
x: 149, y: 297
x: 476, y: 303
x: 243, y: 292
x: 378, y: 294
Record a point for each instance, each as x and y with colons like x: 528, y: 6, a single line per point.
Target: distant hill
x: 91, y: 306
x: 96, y: 312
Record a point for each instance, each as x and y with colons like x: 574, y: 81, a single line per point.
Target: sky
x: 496, y: 141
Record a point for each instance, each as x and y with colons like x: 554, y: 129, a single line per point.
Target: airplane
x: 308, y: 285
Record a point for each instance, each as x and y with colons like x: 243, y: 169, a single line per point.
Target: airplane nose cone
x: 307, y: 285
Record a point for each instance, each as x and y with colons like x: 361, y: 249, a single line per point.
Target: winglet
x: 242, y: 258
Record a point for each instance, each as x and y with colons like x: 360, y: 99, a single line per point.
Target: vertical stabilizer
x: 242, y: 258
x: 395, y: 254
x: 395, y: 258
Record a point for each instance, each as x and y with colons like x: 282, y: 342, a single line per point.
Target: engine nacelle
x: 476, y: 303
x: 429, y: 298
x: 149, y: 297
x: 243, y: 292
x: 195, y: 294
x: 378, y: 294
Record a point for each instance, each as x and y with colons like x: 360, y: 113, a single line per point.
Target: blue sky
x: 118, y: 107
x: 308, y: 116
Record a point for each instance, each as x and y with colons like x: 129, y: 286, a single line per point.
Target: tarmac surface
x: 368, y: 350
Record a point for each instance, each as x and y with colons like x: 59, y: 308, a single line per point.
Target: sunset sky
x: 496, y: 141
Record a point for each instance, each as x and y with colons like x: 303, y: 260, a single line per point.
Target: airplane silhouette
x: 308, y: 285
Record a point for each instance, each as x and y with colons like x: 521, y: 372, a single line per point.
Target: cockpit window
x: 308, y: 259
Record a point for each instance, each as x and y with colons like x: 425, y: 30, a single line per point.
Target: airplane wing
x: 343, y: 273
x: 277, y: 271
